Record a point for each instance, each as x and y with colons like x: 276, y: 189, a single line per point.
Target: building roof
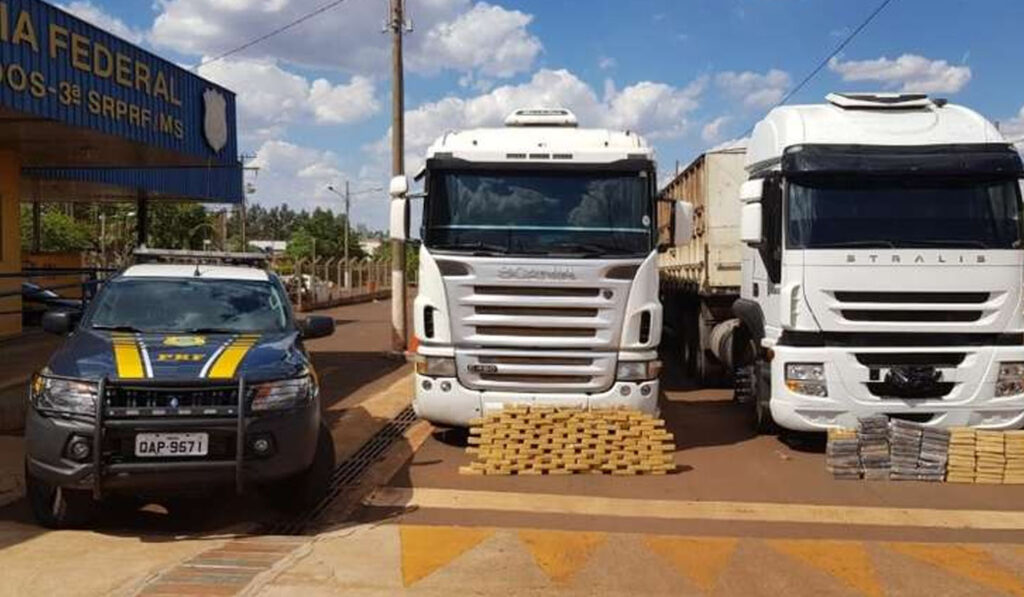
x: 208, y: 272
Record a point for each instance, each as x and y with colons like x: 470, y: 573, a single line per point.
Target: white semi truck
x: 882, y: 266
x: 538, y: 278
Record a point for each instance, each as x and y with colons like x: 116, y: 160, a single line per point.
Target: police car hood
x: 93, y: 354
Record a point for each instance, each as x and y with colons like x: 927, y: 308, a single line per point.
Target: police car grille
x: 129, y: 401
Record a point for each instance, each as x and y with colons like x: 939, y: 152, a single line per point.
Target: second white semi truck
x: 882, y: 267
x: 538, y: 278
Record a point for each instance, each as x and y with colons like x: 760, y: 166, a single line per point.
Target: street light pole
x: 348, y: 222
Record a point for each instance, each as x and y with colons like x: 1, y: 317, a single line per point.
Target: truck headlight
x: 278, y: 395
x: 55, y: 394
x: 435, y: 366
x: 637, y: 370
x: 807, y: 378
x: 1011, y: 379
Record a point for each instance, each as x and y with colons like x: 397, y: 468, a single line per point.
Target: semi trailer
x: 538, y: 279
x: 700, y: 281
x: 881, y: 267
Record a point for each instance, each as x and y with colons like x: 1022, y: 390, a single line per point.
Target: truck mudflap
x: 238, y: 423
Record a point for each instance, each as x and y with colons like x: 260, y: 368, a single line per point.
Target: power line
x: 302, y: 19
x: 823, y: 63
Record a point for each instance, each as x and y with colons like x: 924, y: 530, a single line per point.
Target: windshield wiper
x: 476, y: 248
x: 945, y: 243
x: 592, y: 249
x: 867, y: 244
x: 117, y: 328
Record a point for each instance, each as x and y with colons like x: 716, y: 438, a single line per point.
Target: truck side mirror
x: 399, y: 224
x: 682, y: 230
x: 399, y: 186
x: 750, y: 224
x: 751, y: 231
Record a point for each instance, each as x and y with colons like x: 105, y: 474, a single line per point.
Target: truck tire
x: 305, y: 490
x: 704, y: 366
x: 57, y: 508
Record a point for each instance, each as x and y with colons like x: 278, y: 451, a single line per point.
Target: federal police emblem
x: 184, y: 341
x: 215, y: 120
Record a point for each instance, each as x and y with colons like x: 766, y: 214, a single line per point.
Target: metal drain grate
x: 346, y: 474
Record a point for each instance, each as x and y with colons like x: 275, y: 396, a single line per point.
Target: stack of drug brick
x: 991, y: 457
x: 873, y: 439
x: 842, y: 454
x: 963, y: 445
x: 1014, y: 458
x: 904, y: 449
x: 931, y: 466
x: 537, y: 440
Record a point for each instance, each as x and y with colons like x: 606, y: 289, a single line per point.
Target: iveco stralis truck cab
x: 538, y: 280
x: 882, y: 267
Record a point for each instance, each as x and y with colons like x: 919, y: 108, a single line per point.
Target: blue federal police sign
x: 55, y: 66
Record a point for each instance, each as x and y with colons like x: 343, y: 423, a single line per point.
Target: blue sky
x: 688, y: 74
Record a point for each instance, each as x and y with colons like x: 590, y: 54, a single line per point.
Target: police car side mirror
x: 316, y: 326
x: 59, y: 322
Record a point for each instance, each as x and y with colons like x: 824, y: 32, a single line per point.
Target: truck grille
x: 914, y: 307
x: 135, y: 401
x: 531, y: 371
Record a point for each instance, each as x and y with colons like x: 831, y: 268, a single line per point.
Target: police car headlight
x: 282, y: 394
x: 55, y: 394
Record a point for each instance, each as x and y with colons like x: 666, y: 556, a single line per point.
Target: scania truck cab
x: 882, y: 266
x: 538, y: 280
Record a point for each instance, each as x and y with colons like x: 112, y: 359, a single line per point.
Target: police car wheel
x: 56, y: 507
x: 306, y: 489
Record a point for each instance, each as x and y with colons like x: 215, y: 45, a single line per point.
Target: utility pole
x: 347, y: 225
x: 396, y: 22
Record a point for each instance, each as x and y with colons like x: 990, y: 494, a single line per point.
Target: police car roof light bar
x: 147, y: 255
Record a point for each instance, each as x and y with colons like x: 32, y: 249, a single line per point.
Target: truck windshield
x: 584, y: 213
x: 904, y: 213
x: 180, y: 305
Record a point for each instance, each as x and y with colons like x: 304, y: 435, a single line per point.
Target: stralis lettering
x: 941, y: 258
x: 536, y: 273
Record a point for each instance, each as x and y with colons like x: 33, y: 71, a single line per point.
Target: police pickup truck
x: 177, y: 377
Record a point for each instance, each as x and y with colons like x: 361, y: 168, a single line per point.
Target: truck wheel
x: 306, y: 489
x: 55, y: 507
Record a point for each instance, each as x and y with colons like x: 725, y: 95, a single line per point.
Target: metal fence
x: 320, y: 283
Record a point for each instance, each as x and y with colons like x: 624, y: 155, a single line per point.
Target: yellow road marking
x: 967, y: 561
x: 700, y: 560
x: 427, y: 548
x: 847, y: 561
x: 127, y: 358
x: 231, y: 357
x: 560, y: 554
x: 586, y: 505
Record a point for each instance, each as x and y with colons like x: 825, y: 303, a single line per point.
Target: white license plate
x: 162, y: 445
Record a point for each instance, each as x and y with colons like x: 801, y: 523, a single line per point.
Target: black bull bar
x: 238, y: 423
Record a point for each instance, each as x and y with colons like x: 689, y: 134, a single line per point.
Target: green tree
x: 59, y: 231
x: 180, y: 226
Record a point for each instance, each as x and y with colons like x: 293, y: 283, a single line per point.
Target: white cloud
x: 94, y: 15
x: 270, y: 97
x: 1013, y: 129
x: 653, y: 109
x: 908, y: 73
x: 450, y: 34
x: 298, y: 176
x: 487, y: 39
x: 606, y: 62
x: 712, y: 131
x: 755, y: 90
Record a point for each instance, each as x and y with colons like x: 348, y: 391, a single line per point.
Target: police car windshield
x: 183, y: 305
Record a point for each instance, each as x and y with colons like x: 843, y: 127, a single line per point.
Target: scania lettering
x: 538, y: 280
x: 882, y: 266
